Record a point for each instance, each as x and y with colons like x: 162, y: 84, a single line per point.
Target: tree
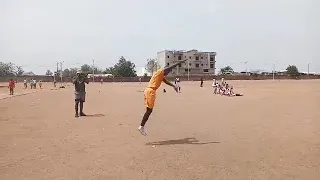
x: 226, y: 69
x: 73, y: 72
x: 7, y: 69
x: 19, y: 71
x: 292, y: 70
x: 66, y: 73
x: 108, y: 71
x: 145, y: 75
x: 152, y: 65
x: 87, y: 69
x: 124, y: 68
x: 49, y: 73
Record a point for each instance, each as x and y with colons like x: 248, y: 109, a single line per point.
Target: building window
x: 186, y: 70
x: 211, y: 66
x: 197, y: 65
x: 189, y: 57
x: 211, y: 58
x: 201, y: 64
x: 189, y: 64
x: 201, y: 57
x: 197, y: 58
x: 185, y: 56
x: 179, y: 65
x: 179, y: 57
x: 167, y: 64
x: 205, y: 70
x: 168, y: 57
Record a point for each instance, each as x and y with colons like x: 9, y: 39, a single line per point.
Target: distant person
x: 12, y: 85
x: 177, y: 84
x: 25, y: 84
x: 140, y: 80
x: 101, y: 80
x: 234, y: 94
x: 54, y: 83
x: 215, y: 86
x: 201, y: 82
x: 40, y: 84
x: 31, y: 84
x: 150, y: 92
x: 34, y: 84
x: 80, y: 92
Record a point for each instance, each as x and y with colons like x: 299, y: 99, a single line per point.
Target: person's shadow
x: 193, y: 141
x: 95, y: 115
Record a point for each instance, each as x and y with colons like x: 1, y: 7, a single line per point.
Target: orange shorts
x: 149, y: 97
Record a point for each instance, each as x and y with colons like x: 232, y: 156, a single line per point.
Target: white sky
x: 38, y: 33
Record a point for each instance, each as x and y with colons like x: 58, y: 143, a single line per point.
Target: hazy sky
x: 38, y: 33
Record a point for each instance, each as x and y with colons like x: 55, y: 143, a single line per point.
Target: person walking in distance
x: 12, y: 85
x: 150, y: 92
x: 80, y: 92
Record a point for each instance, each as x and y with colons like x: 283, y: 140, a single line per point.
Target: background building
x: 199, y: 63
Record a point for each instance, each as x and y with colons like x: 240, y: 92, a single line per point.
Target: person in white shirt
x: 177, y: 83
x: 215, y: 86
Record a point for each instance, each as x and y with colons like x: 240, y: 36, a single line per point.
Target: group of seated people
x: 223, y: 88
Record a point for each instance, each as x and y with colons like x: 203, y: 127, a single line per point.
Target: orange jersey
x: 156, y: 80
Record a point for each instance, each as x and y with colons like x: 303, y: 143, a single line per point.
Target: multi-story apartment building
x: 198, y: 63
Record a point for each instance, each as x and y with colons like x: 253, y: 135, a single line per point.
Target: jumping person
x: 80, y: 92
x: 150, y: 92
x: 12, y: 85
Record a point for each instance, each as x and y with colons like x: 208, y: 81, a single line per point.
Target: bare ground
x: 273, y: 132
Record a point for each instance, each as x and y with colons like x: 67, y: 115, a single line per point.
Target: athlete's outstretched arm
x: 167, y: 82
x: 170, y: 84
x: 168, y: 69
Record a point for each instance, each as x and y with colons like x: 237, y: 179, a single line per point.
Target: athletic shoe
x: 82, y: 114
x: 76, y: 115
x: 142, y: 131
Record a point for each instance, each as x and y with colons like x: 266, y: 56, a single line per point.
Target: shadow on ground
x: 193, y: 141
x: 95, y: 115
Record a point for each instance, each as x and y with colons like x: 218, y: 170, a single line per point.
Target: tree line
x: 123, y: 68
x: 291, y: 70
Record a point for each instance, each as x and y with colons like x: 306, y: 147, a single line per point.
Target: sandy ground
x: 273, y: 132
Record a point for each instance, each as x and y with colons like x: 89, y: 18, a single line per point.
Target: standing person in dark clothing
x: 80, y: 92
x: 201, y: 82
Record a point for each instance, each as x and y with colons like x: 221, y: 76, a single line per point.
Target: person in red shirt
x: 12, y: 85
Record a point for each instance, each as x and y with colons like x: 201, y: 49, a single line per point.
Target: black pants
x: 11, y: 91
x: 77, y: 102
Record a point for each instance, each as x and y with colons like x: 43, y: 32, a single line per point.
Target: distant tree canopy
x: 10, y: 69
x: 292, y: 70
x: 124, y: 68
x: 227, y: 69
x: 152, y: 66
x: 71, y: 72
x: 49, y: 73
x: 87, y: 69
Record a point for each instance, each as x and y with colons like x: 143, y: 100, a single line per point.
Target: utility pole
x: 246, y: 67
x: 61, y: 70
x: 92, y: 70
x: 274, y: 69
x: 188, y: 70
x: 54, y: 75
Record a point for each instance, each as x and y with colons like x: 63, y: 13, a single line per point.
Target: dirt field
x: 273, y: 132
